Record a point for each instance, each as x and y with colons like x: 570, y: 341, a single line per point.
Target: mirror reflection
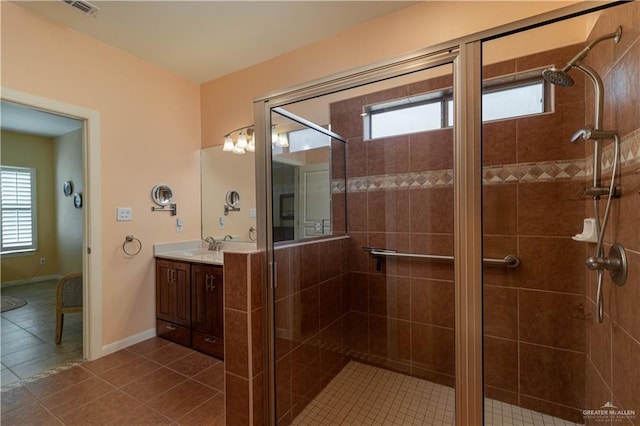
x: 233, y: 198
x: 162, y: 194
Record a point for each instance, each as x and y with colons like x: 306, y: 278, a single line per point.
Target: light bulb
x: 238, y: 150
x: 251, y: 146
x: 242, y: 140
x: 283, y: 140
x: 274, y: 135
x: 228, y: 144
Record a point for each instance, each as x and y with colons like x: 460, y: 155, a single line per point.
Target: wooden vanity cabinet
x: 189, y: 305
x: 207, y: 309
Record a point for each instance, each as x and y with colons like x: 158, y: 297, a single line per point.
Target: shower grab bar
x: 509, y: 261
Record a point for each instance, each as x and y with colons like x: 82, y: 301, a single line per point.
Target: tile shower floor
x: 365, y: 395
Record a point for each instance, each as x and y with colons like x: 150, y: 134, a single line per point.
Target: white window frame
x: 19, y: 246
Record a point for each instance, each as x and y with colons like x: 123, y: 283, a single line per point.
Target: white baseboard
x: 31, y: 280
x: 129, y: 341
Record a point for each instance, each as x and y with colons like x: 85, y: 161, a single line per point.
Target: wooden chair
x: 68, y: 299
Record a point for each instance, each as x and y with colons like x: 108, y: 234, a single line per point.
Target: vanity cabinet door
x: 206, y: 299
x: 173, y: 295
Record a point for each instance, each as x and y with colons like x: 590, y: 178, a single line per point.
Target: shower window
x: 514, y: 96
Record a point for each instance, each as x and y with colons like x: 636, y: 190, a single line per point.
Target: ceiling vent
x: 83, y: 6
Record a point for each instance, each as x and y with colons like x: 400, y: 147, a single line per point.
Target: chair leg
x: 59, y: 323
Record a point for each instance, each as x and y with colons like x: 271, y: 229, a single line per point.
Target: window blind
x: 18, y: 208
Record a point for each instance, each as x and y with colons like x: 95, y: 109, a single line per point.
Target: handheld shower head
x: 557, y: 77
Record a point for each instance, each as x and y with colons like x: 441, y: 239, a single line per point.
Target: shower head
x: 560, y: 77
x: 557, y: 77
x: 585, y: 133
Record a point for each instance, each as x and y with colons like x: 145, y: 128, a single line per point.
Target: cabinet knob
x: 170, y: 327
x: 209, y: 340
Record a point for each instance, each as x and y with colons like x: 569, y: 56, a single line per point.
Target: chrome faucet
x: 212, y: 243
x: 227, y: 236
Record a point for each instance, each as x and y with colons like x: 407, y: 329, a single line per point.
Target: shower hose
x: 602, y: 229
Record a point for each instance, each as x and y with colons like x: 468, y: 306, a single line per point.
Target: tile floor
x: 365, y: 395
x: 154, y: 382
x: 28, y: 334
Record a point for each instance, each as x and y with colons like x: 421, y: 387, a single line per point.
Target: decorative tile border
x: 548, y: 171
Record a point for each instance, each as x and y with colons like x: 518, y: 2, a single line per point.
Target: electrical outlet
x: 43, y: 260
x: 252, y: 212
x: 124, y: 214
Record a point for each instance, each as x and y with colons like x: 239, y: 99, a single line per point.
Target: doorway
x: 72, y: 227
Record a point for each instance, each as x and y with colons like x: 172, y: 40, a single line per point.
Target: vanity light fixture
x: 277, y: 139
x: 245, y: 140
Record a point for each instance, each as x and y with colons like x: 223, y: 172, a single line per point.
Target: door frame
x: 92, y: 218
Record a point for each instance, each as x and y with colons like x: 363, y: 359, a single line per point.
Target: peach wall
x: 150, y: 133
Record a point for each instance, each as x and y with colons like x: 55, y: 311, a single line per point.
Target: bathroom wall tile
x: 499, y: 68
x: 624, y: 213
x: 439, y: 244
x: 389, y: 338
x: 432, y: 150
x: 498, y: 247
x: 330, y: 303
x: 501, y: 363
x: 283, y: 317
x: 433, y: 376
x: 387, y: 95
x: 624, y: 301
x: 597, y: 393
x: 599, y: 343
x: 348, y: 125
x: 357, y: 157
x: 550, y: 208
x: 432, y: 302
x: 306, y: 312
x: 388, y: 211
x: 552, y: 319
x: 431, y: 84
x: 306, y: 355
x: 555, y: 264
x: 329, y: 359
x: 389, y: 296
x: 432, y: 210
x: 257, y: 296
x: 359, y: 295
x: 626, y: 375
x: 623, y: 86
x: 358, y: 259
x: 500, y: 395
x: 236, y: 343
x: 356, y: 329
x: 351, y: 105
x: 400, y: 242
x: 305, y: 382
x: 332, y: 335
x: 432, y: 348
x: 283, y: 346
x: 282, y: 257
x: 499, y: 209
x: 235, y: 280
x: 552, y: 374
x: 500, y: 312
x: 283, y: 386
x: 499, y: 142
x: 388, y: 155
x: 236, y: 400
x: 559, y: 57
x: 305, y: 264
x: 552, y: 409
x: 338, y: 213
x: 329, y: 259
x: 257, y: 341
x: 357, y: 213
x: 544, y: 138
x: 338, y: 159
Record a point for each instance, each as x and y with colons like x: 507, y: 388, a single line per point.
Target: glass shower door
x: 364, y: 305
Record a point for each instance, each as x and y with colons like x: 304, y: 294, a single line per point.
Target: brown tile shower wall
x: 244, y: 346
x: 402, y: 317
x: 613, y: 347
x: 311, y: 302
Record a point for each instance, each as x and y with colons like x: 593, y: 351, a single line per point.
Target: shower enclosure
x: 422, y: 268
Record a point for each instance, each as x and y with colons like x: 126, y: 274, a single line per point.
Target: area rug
x: 10, y: 302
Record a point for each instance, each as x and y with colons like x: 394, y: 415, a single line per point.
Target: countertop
x: 196, y: 251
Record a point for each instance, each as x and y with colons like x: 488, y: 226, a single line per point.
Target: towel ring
x: 253, y: 234
x: 130, y: 239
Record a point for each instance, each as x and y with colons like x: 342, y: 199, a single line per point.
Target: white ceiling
x: 203, y: 40
x: 18, y: 118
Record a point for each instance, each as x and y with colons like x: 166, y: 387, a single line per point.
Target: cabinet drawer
x: 173, y: 332
x: 208, y: 344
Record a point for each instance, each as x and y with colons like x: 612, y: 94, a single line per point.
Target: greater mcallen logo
x: 609, y: 412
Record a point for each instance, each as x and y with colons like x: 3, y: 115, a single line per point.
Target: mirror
x: 233, y: 198
x: 162, y: 194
